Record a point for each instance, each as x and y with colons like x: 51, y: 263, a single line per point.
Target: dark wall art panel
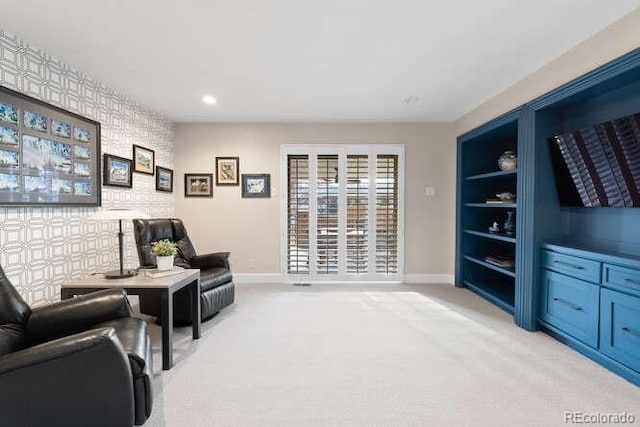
x: 48, y: 156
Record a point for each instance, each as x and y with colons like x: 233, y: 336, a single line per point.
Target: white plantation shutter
x: 386, y: 214
x: 327, y: 214
x: 357, y: 213
x: 298, y: 214
x: 343, y: 209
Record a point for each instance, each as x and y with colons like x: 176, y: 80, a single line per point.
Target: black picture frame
x: 58, y: 154
x: 117, y: 171
x: 198, y: 185
x: 164, y: 179
x: 256, y: 185
x: 227, y: 170
x: 144, y: 160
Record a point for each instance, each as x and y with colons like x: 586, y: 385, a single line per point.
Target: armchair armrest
x: 216, y: 259
x: 80, y: 380
x: 75, y: 315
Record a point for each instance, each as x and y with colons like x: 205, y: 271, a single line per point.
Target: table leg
x: 194, y: 291
x: 166, y: 303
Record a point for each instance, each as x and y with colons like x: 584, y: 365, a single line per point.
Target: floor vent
x: 302, y: 284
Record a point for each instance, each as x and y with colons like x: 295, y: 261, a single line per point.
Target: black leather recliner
x: 78, y: 362
x: 216, y: 280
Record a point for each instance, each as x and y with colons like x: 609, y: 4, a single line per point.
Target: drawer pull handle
x: 631, y: 332
x: 633, y: 281
x: 565, y: 302
x: 566, y: 264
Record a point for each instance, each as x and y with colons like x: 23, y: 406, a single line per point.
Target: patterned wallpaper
x: 40, y: 247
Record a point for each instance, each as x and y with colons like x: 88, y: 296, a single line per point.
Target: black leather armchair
x: 216, y: 280
x: 79, y: 362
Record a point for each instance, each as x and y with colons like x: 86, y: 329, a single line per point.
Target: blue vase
x: 509, y: 225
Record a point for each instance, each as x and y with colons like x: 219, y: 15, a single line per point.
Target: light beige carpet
x: 375, y: 355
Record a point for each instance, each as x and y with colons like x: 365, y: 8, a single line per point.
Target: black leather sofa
x: 216, y: 279
x: 79, y: 362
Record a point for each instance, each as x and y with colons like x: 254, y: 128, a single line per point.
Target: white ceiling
x: 301, y: 60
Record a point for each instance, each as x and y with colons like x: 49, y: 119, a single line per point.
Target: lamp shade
x: 110, y: 214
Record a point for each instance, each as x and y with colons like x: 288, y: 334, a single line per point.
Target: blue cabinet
x: 571, y: 305
x: 591, y: 301
x: 572, y: 266
x: 620, y: 327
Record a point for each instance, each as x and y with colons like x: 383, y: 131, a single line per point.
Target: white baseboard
x: 257, y: 278
x: 279, y: 278
x: 428, y: 278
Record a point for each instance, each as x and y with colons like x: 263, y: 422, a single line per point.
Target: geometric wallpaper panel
x: 40, y: 247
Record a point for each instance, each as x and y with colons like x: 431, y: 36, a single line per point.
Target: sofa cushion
x: 214, y: 277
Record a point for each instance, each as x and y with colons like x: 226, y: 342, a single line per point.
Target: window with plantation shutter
x: 343, y: 207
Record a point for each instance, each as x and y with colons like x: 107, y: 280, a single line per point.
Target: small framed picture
x: 256, y: 185
x: 164, y: 179
x: 117, y: 171
x: 227, y: 171
x: 143, y: 160
x: 198, y: 185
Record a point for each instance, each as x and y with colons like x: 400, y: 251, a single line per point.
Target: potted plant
x: 164, y: 250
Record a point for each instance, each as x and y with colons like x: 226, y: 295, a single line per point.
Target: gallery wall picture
x: 143, y: 160
x: 48, y: 156
x: 227, y: 170
x: 198, y: 185
x: 256, y: 185
x: 117, y: 171
x: 164, y: 179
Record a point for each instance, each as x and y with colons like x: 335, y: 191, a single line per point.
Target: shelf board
x: 508, y: 271
x: 500, y: 294
x: 492, y: 205
x: 495, y: 236
x: 497, y: 174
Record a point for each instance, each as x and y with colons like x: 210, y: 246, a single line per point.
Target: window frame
x: 313, y: 150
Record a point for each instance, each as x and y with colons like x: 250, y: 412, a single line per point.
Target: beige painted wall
x: 250, y: 228
x: 612, y: 42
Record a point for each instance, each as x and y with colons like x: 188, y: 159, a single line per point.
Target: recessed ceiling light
x: 208, y: 99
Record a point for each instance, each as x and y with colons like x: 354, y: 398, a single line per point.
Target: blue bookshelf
x: 480, y: 180
x: 543, y: 225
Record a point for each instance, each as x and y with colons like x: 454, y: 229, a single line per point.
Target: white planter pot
x: 164, y: 262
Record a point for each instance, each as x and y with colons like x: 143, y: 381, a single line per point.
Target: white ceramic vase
x: 164, y: 262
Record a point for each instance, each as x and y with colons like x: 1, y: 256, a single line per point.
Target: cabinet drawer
x: 571, y: 266
x: 624, y: 279
x: 571, y: 305
x: 620, y: 327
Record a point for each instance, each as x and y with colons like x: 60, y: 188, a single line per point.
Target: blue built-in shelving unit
x: 606, y: 93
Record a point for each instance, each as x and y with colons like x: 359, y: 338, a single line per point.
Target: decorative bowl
x: 506, y: 195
